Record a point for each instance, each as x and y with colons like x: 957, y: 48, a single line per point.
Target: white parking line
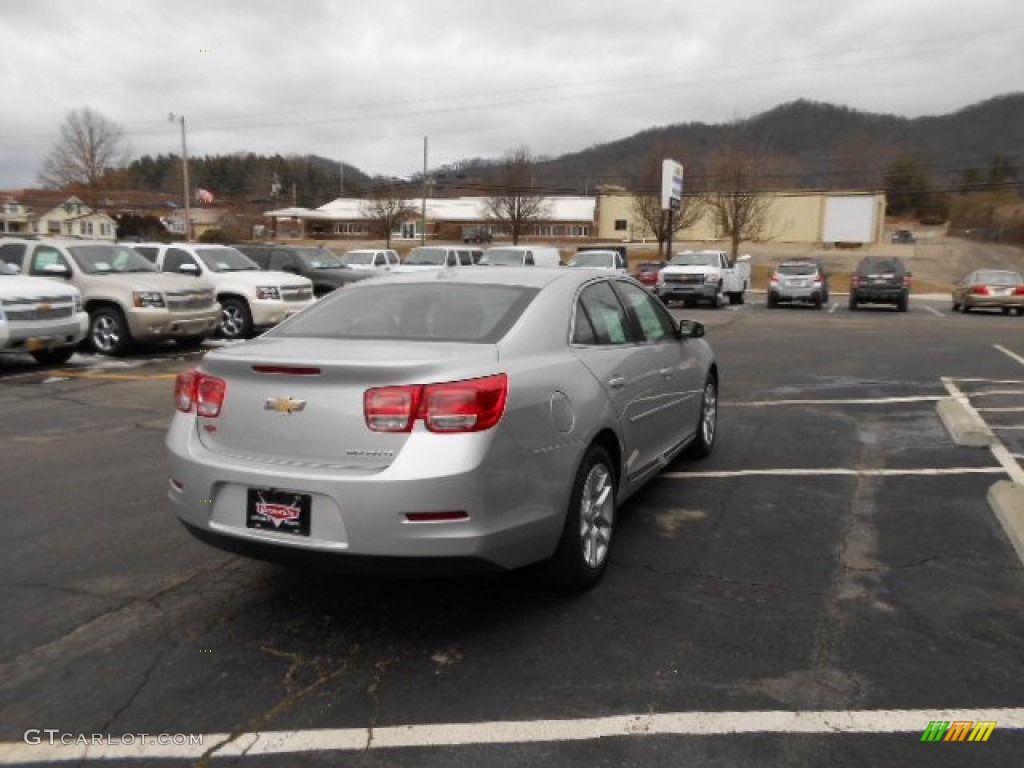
x: 912, y: 722
x: 999, y: 450
x: 933, y: 311
x: 1008, y: 353
x: 833, y: 308
x: 840, y: 401
x: 834, y: 472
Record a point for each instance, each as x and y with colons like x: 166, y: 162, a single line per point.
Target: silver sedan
x: 492, y: 417
x: 990, y: 289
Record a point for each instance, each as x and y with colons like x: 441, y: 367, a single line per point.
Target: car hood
x: 145, y: 281
x: 19, y: 287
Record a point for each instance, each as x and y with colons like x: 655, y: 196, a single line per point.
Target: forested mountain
x: 810, y: 145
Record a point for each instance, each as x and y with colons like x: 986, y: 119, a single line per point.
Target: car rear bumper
x: 994, y: 302
x: 515, y: 503
x: 880, y: 295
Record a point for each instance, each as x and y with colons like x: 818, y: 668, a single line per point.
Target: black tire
x: 964, y: 309
x: 956, y: 306
x: 108, y: 331
x: 584, y: 549
x: 1006, y: 310
x: 853, y: 303
x: 707, y: 422
x: 904, y: 304
x: 235, y: 319
x: 817, y: 302
x: 773, y: 301
x: 57, y: 356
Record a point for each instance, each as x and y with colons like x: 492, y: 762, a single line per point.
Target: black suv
x: 477, y: 235
x: 880, y: 280
x: 322, y: 266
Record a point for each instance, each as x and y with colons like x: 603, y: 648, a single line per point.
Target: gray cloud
x: 348, y: 81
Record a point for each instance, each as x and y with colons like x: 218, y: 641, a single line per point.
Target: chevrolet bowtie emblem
x: 44, y: 307
x: 283, y: 404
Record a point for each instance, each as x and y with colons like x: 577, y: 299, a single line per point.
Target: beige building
x: 793, y: 217
x: 40, y: 213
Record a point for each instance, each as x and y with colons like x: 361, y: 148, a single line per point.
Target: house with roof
x: 53, y: 214
x: 437, y: 219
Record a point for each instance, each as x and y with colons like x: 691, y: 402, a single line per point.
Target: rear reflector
x: 435, y: 517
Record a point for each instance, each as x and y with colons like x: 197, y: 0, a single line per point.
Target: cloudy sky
x: 365, y: 82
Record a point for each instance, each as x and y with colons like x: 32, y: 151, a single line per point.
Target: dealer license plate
x: 274, y: 510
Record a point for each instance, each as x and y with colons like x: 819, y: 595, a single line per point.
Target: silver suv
x: 127, y: 299
x: 799, y: 281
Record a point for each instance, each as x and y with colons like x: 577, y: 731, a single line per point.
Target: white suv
x: 251, y: 299
x: 40, y: 317
x: 379, y: 259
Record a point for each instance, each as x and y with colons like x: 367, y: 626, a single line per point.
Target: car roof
x: 534, y: 277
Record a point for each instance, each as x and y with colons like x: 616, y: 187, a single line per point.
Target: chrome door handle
x: 617, y: 382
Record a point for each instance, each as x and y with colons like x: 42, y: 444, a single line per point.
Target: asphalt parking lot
x: 827, y: 584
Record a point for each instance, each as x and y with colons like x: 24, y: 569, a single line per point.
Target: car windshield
x: 319, y: 258
x: 593, y: 259
x: 433, y: 257
x: 106, y: 259
x: 502, y: 257
x: 998, y: 278
x: 414, y: 312
x: 359, y: 258
x: 797, y: 269
x: 226, y: 260
x: 695, y: 260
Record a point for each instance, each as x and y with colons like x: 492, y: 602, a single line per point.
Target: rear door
x: 609, y: 344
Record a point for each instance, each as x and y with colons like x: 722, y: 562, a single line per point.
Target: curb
x: 1007, y: 500
x: 961, y: 424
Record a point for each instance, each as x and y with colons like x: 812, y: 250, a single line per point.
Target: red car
x: 647, y: 272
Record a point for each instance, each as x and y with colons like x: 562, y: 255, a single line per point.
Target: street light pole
x: 184, y: 174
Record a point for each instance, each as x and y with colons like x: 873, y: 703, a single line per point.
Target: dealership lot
x: 829, y: 582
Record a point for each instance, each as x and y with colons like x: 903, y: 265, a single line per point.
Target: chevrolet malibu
x: 495, y: 417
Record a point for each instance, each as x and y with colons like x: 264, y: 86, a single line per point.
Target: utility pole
x: 423, y: 209
x: 184, y: 174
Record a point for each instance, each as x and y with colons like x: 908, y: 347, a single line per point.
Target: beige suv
x: 127, y: 299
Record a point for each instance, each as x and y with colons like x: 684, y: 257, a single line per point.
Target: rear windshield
x: 999, y: 278
x: 797, y: 269
x: 502, y: 257
x: 880, y: 266
x: 414, y: 312
x: 433, y: 257
x: 104, y: 259
x: 593, y: 259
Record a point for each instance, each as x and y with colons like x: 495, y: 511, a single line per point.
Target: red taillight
x: 906, y: 281
x: 204, y: 392
x: 1019, y: 290
x: 473, y: 405
x: 854, y: 281
x: 979, y: 290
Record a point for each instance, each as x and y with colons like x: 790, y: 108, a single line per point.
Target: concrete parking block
x: 963, y: 426
x: 1007, y: 500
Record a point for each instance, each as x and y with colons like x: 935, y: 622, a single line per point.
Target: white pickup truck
x: 711, y: 276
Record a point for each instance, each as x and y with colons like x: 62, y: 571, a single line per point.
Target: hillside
x: 818, y: 145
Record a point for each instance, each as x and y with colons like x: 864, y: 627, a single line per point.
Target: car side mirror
x: 690, y: 329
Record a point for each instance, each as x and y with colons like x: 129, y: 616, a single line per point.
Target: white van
x: 521, y: 256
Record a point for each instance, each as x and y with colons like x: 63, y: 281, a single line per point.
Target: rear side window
x: 12, y: 253
x: 600, y: 317
x: 414, y: 312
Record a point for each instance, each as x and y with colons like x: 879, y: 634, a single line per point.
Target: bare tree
x: 516, y: 203
x: 88, y: 146
x: 647, y: 198
x: 737, y: 195
x: 385, y: 210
